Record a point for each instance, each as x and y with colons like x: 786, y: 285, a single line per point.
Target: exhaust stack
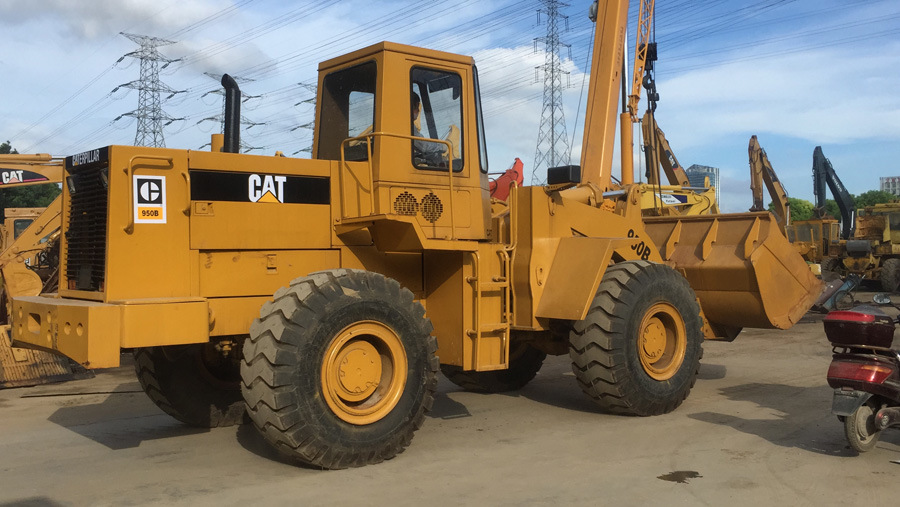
x: 232, y: 119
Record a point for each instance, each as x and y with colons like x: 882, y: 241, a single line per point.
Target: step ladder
x: 500, y: 283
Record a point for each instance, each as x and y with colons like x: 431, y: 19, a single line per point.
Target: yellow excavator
x: 29, y: 263
x: 762, y: 173
x: 677, y: 197
x: 320, y: 297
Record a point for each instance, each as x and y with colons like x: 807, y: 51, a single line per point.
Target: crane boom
x: 641, y: 48
x: 603, y: 93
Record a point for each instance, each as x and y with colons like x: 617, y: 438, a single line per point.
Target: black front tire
x: 196, y: 384
x: 524, y: 363
x: 302, y: 363
x: 890, y: 275
x: 638, y: 350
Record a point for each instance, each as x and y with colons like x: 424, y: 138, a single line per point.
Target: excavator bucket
x: 744, y: 271
x: 25, y: 367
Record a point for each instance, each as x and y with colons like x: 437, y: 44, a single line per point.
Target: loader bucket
x: 744, y: 271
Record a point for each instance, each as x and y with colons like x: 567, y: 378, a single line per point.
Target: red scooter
x: 864, y: 372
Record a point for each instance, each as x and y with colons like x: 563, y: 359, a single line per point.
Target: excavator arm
x: 762, y: 172
x: 824, y: 174
x: 660, y: 154
x: 24, y: 170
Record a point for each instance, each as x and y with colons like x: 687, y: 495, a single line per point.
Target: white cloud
x: 99, y: 18
x: 825, y: 96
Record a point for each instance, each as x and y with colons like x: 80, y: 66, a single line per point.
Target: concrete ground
x: 756, y: 430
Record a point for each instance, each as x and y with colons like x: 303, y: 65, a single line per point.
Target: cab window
x: 436, y: 113
x: 20, y: 225
x: 348, y: 110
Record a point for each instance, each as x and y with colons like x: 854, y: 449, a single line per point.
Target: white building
x: 697, y: 175
x: 891, y: 184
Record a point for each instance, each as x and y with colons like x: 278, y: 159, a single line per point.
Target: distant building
x: 697, y: 175
x: 891, y: 184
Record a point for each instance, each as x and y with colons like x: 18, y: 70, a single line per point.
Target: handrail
x: 370, y: 138
x: 129, y: 173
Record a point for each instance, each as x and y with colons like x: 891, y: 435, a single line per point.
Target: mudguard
x: 845, y: 403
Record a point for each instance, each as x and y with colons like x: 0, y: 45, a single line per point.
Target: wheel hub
x: 364, y: 372
x: 654, y: 339
x: 359, y: 371
x: 662, y: 341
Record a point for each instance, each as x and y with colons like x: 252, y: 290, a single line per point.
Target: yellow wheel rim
x: 662, y: 341
x: 364, y: 372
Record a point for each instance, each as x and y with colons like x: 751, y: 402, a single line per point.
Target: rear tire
x: 339, y: 369
x: 890, y: 275
x: 638, y: 350
x: 195, y: 384
x: 859, y: 428
x: 524, y: 363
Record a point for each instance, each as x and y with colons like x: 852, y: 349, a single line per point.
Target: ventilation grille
x: 406, y: 204
x: 86, y: 235
x: 432, y: 208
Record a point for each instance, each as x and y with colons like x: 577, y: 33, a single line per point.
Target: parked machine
x: 875, y: 248
x: 389, y: 261
x: 864, y: 372
x: 29, y: 262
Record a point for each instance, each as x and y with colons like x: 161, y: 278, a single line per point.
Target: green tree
x: 873, y: 197
x: 801, y: 209
x: 831, y: 209
x: 33, y: 196
x: 6, y: 148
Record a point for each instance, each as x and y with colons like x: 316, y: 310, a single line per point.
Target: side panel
x: 147, y: 259
x: 574, y: 276
x: 448, y: 306
x: 258, y: 272
x: 243, y: 202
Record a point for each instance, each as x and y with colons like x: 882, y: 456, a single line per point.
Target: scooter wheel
x: 860, y: 430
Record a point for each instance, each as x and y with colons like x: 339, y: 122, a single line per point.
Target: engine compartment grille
x: 86, y: 234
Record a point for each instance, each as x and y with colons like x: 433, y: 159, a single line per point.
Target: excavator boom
x: 824, y: 173
x: 660, y: 154
x: 762, y: 172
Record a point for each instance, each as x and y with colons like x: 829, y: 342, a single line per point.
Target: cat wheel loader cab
x: 322, y: 296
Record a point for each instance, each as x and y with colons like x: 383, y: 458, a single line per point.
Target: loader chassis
x: 336, y: 283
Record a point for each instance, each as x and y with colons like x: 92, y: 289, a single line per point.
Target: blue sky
x: 797, y: 73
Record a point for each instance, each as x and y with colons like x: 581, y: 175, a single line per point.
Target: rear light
x: 864, y: 372
x: 850, y: 316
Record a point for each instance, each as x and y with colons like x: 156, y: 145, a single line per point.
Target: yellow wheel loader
x: 321, y: 297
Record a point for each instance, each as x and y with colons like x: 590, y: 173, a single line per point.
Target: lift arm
x: 761, y: 171
x: 823, y: 173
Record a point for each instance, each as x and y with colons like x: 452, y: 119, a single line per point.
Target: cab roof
x: 393, y: 47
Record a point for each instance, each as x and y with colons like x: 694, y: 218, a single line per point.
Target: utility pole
x: 553, y: 143
x: 150, y: 117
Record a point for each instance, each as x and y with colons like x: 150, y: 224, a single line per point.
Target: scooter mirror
x: 881, y: 299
